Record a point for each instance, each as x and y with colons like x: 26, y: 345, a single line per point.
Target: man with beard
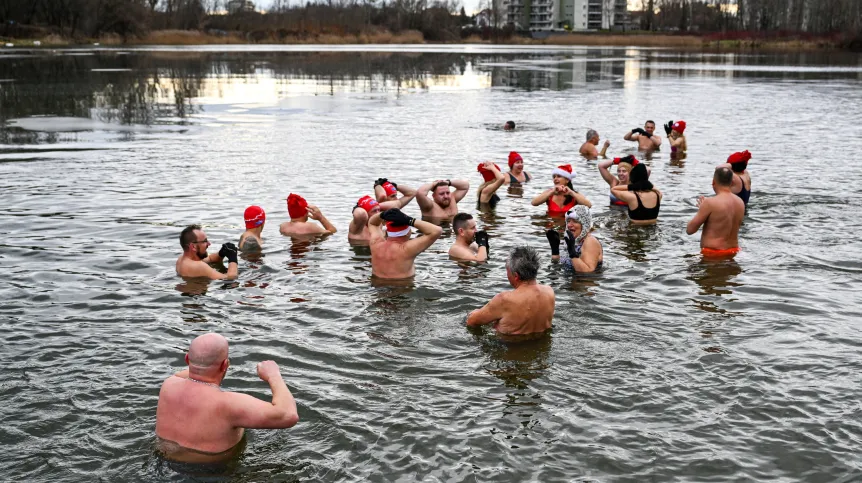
x: 464, y: 227
x: 194, y: 262
x: 443, y: 203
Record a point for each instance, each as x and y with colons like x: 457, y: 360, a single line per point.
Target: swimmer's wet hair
x: 523, y: 262
x: 187, y: 236
x: 591, y: 134
x: 723, y: 176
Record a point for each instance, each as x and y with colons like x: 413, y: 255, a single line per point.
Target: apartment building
x: 545, y: 15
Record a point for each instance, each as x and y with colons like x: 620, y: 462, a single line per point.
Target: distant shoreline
x: 710, y: 42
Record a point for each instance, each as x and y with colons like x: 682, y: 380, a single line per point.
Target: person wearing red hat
x: 392, y: 256
x: 359, y: 231
x: 443, y: 202
x: 638, y: 195
x: 624, y: 167
x: 720, y: 215
x: 493, y: 179
x: 516, y: 173
x: 562, y: 197
x: 195, y: 261
x: 675, y: 136
x: 385, y: 190
x: 645, y: 137
x: 300, y: 211
x: 589, y: 150
x: 741, y: 186
x: 250, y: 240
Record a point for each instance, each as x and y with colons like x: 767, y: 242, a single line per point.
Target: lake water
x: 662, y: 368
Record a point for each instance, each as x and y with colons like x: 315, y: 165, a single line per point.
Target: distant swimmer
x: 645, y: 137
x: 529, y: 309
x: 675, y: 136
x: 509, y: 126
x: 562, y: 197
x: 300, y: 211
x: 516, y: 174
x: 641, y: 197
x: 443, y: 203
x: 194, y: 262
x: 359, y: 231
x: 470, y: 244
x: 493, y: 179
x: 741, y: 185
x: 198, y: 422
x: 624, y: 167
x: 589, y: 150
x: 250, y: 240
x: 393, y: 256
x: 721, y: 215
x: 585, y: 253
x: 387, y: 191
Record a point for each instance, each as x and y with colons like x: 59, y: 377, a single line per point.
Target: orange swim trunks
x: 712, y: 252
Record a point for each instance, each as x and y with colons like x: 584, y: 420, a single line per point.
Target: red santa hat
x: 296, y: 206
x: 565, y: 171
x: 254, y: 217
x: 367, y: 203
x: 487, y: 174
x: 679, y: 126
x: 397, y: 230
x: 513, y: 157
x: 389, y: 188
x: 740, y: 157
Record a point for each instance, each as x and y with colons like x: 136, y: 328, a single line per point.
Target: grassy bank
x: 636, y: 39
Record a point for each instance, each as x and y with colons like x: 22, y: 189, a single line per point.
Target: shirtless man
x: 720, y: 215
x: 194, y: 262
x: 589, y: 150
x: 443, y: 203
x: 646, y: 139
x: 675, y: 137
x: 393, y: 256
x: 385, y: 191
x: 197, y: 422
x: 465, y: 234
x: 250, y: 240
x: 300, y: 211
x: 529, y: 309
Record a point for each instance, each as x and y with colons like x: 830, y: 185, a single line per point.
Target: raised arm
x: 542, y: 197
x: 630, y: 135
x: 376, y: 233
x: 606, y: 173
x: 656, y: 140
x: 425, y: 203
x: 359, y: 221
x: 589, y: 258
x: 462, y: 186
x: 676, y: 141
x: 490, y: 188
x: 249, y: 412
x: 604, y: 148
x: 379, y: 193
x: 581, y: 199
x: 491, y: 312
x: 315, y: 214
x: 621, y: 192
x: 463, y: 253
x: 407, y: 195
x: 699, y: 218
x: 418, y: 245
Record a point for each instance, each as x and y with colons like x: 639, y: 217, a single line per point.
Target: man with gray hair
x: 198, y: 422
x: 589, y: 150
x: 526, y: 311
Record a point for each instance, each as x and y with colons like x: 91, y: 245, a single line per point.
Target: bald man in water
x: 720, y: 215
x: 197, y: 422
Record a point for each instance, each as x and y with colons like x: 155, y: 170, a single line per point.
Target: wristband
x: 449, y: 182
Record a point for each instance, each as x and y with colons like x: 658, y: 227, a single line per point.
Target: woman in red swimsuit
x: 562, y: 197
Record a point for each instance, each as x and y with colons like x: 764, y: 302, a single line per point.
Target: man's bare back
x: 526, y: 310
x: 721, y: 228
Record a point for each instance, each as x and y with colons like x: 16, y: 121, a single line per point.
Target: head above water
x: 723, y: 177
x: 522, y: 265
x: 579, y: 221
x: 649, y: 127
x: 516, y: 162
x: 254, y: 217
x: 441, y: 194
x: 509, y: 126
x: 593, y: 136
x: 208, y: 356
x: 739, y: 161
x: 464, y: 226
x: 194, y: 240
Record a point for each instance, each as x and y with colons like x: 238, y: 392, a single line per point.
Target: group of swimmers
x: 197, y: 422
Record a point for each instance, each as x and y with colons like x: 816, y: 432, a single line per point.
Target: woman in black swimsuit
x: 516, y: 174
x: 494, y: 178
x: 641, y: 197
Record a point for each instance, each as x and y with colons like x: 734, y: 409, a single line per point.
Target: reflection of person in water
x: 714, y: 277
x: 198, y: 422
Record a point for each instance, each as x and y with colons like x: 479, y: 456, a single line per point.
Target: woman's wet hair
x: 523, y: 262
x: 639, y: 178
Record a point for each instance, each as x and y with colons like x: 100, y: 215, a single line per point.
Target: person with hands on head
x: 720, y: 215
x: 516, y: 174
x: 194, y: 262
x: 494, y: 178
x: 741, y: 185
x: 526, y: 311
x: 585, y: 253
x: 393, y: 256
x: 645, y: 137
x: 387, y: 191
x: 675, y: 136
x: 638, y: 195
x: 624, y: 167
x: 470, y: 244
x: 562, y: 197
x: 300, y: 211
x: 198, y: 422
x: 359, y: 231
x: 250, y: 240
x: 443, y: 203
x: 589, y: 150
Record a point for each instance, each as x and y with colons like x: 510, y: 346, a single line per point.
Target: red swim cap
x: 740, y: 157
x: 367, y: 203
x: 679, y: 126
x: 513, y: 156
x: 254, y: 217
x: 487, y: 174
x: 389, y: 188
x: 296, y: 206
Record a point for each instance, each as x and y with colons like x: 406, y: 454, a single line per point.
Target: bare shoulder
x: 547, y: 289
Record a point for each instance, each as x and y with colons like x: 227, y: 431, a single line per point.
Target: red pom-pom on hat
x: 565, y: 171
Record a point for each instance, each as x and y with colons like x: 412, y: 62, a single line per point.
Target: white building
x: 545, y: 15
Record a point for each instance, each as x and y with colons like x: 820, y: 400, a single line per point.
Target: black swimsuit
x: 513, y: 179
x: 644, y: 213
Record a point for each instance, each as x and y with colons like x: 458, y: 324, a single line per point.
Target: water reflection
x: 514, y: 363
x: 715, y: 278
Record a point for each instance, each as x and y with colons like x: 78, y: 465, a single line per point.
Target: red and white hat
x: 679, y: 126
x: 565, y: 171
x: 389, y: 188
x: 254, y: 216
x: 397, y: 230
